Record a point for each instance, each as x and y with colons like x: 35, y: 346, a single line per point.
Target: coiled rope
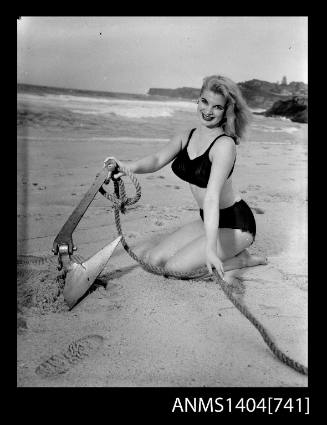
x: 120, y: 201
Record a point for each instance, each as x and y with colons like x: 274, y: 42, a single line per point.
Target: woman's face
x: 211, y: 108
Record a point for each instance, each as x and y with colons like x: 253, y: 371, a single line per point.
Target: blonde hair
x: 237, y: 115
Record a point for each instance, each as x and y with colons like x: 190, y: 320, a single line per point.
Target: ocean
x: 78, y: 115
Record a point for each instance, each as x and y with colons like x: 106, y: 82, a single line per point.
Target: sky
x: 130, y: 54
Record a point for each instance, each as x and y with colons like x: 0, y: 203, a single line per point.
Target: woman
x: 205, y: 157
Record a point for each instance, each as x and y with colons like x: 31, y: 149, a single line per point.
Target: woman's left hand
x: 212, y: 260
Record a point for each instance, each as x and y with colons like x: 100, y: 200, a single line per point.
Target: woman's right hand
x: 212, y: 260
x: 119, y: 166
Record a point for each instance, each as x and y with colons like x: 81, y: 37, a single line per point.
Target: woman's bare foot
x: 244, y: 259
x: 249, y: 260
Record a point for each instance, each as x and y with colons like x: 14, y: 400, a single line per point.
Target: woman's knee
x: 175, y: 265
x: 155, y: 258
x: 172, y: 265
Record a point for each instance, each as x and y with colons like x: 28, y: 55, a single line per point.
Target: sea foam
x: 119, y: 107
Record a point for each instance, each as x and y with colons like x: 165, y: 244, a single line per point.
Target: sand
x: 135, y: 329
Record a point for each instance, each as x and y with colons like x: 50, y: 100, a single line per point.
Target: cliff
x: 257, y: 93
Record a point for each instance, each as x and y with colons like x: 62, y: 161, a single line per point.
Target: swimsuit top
x: 195, y: 171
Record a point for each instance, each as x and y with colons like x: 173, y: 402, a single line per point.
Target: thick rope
x: 120, y: 200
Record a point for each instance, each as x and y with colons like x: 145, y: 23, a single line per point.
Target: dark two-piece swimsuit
x: 197, y: 171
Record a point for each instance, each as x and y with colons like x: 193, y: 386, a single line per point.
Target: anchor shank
x: 64, y: 237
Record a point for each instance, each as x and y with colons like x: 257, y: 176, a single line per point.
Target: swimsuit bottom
x: 238, y: 216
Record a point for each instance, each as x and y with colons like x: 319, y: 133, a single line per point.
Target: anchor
x: 80, y: 276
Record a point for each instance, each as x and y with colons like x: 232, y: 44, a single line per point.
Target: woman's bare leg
x: 234, y: 255
x: 184, y: 249
x: 160, y: 254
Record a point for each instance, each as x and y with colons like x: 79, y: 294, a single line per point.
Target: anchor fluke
x: 79, y: 277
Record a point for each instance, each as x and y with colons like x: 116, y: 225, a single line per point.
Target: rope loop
x: 119, y: 198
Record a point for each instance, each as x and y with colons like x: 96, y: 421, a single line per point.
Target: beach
x: 139, y: 329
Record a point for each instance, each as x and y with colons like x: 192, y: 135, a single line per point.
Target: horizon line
x: 138, y: 93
